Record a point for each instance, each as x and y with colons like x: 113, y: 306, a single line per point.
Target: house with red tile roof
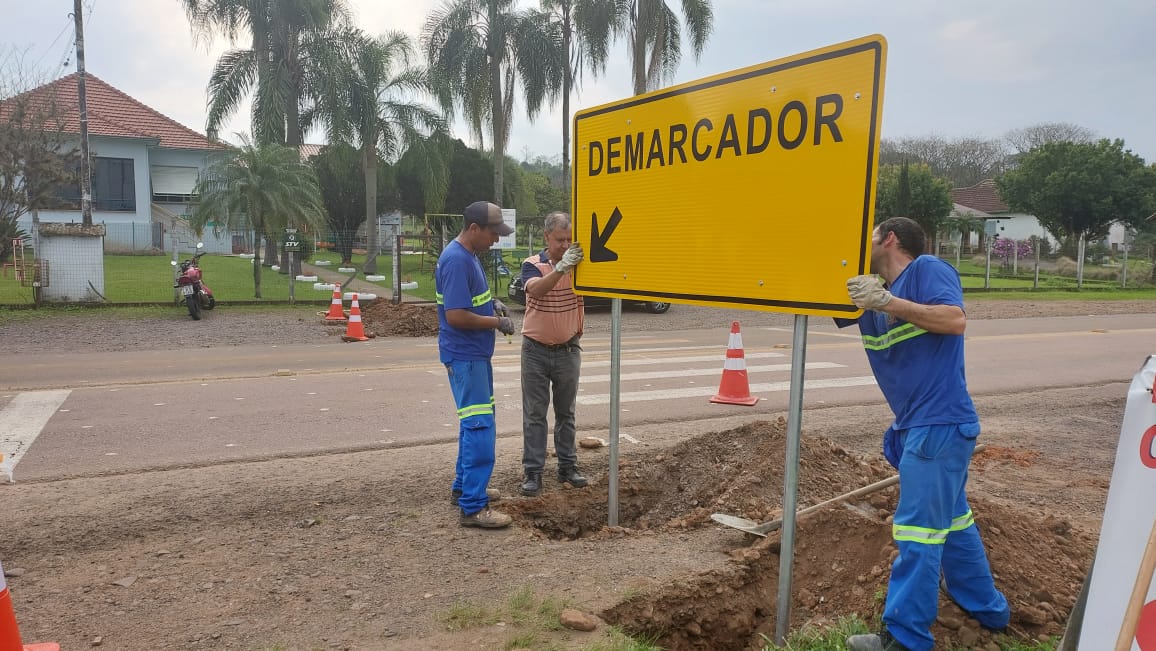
x: 982, y: 201
x: 984, y: 197
x: 145, y: 164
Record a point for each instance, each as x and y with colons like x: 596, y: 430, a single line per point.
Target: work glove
x: 570, y: 259
x: 867, y: 292
x: 500, y: 308
x: 505, y: 325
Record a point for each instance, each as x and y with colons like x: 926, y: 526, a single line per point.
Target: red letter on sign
x: 1147, y: 454
x: 1146, y: 629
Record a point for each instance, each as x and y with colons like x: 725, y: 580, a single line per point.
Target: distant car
x: 517, y: 293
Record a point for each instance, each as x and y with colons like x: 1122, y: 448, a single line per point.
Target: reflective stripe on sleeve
x: 892, y: 337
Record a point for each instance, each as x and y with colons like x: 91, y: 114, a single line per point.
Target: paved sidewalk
x: 331, y: 275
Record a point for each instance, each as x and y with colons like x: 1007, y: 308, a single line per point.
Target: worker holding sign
x: 913, y: 332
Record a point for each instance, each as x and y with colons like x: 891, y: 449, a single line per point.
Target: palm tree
x: 260, y: 188
x: 478, y: 51
x: 287, y: 35
x: 656, y: 38
x: 583, y: 29
x: 365, y: 97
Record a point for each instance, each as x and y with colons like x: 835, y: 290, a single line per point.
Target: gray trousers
x: 546, y: 370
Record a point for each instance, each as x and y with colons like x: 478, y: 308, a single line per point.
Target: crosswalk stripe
x: 686, y: 372
x: 696, y: 392
x: 690, y: 359
x: 22, y: 420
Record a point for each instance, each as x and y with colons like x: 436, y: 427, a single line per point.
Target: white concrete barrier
x: 307, y: 279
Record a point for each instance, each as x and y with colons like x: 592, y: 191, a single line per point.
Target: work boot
x: 533, y: 483
x: 492, y: 494
x: 487, y: 518
x: 874, y: 642
x: 569, y: 475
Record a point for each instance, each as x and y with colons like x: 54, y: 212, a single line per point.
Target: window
x: 114, y: 185
x: 173, y: 184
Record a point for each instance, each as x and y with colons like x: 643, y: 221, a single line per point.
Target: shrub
x: 1005, y: 249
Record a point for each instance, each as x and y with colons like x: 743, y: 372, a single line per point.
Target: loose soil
x: 363, y: 550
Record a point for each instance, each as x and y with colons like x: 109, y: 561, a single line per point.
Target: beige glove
x: 570, y: 259
x: 867, y: 292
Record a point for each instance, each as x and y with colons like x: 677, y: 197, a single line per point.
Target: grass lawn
x: 130, y: 279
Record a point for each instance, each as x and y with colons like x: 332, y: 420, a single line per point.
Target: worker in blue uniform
x: 912, y: 329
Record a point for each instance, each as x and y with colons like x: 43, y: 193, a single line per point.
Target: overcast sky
x: 977, y: 68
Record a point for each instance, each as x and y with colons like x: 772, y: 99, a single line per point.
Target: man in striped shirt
x: 551, y: 356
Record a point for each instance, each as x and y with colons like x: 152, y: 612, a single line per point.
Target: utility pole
x: 85, y: 160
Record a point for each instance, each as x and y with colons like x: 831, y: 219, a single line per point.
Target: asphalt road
x: 98, y: 413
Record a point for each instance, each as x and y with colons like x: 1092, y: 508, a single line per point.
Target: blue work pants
x: 472, y: 384
x: 935, y: 532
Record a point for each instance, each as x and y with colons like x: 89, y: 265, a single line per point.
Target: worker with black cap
x: 467, y: 318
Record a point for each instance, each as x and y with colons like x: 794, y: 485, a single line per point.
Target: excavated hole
x: 842, y: 557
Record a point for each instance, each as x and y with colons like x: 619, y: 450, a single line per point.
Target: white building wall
x: 137, y: 150
x: 1020, y: 226
x: 74, y: 262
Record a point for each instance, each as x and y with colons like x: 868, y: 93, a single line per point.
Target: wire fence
x: 134, y: 264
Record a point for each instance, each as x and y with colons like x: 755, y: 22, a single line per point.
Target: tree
x: 478, y: 52
x: 1029, y: 138
x: 367, y: 101
x: 582, y: 30
x: 37, y: 157
x: 929, y: 200
x: 960, y: 225
x: 342, y: 186
x: 963, y: 161
x: 260, y: 188
x: 1079, y: 189
x: 903, y: 191
x: 656, y: 37
x: 286, y: 36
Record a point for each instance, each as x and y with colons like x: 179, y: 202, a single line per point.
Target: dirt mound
x: 843, y: 555
x: 384, y: 319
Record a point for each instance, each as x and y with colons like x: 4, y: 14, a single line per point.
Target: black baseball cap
x: 484, y: 213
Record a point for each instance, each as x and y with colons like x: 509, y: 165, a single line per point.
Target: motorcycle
x: 194, y: 291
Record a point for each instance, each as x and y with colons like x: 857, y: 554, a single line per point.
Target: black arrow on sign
x: 598, y: 250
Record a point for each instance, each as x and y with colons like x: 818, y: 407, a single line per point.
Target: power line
x: 67, y: 26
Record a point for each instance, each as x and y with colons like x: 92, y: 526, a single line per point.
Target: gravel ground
x: 99, y: 330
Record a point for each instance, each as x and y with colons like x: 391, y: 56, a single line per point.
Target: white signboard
x: 1128, y: 521
x: 510, y: 216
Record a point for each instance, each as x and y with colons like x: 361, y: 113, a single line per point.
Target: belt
x: 566, y: 345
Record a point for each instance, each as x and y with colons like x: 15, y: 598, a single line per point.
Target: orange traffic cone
x: 355, y: 331
x: 335, y: 312
x: 9, y: 632
x: 734, y: 388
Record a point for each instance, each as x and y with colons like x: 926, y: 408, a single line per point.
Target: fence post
x: 1124, y: 271
x: 1037, y: 243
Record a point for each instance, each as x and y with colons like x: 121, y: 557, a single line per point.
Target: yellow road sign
x: 753, y: 188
